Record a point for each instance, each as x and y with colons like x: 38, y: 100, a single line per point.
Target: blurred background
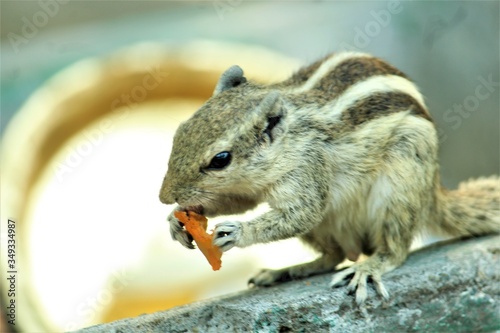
x: 91, y: 93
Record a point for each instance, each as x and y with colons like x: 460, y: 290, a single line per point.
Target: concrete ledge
x: 452, y: 287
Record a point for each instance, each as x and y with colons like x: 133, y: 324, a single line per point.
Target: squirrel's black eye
x: 220, y: 161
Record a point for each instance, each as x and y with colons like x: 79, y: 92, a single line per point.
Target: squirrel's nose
x: 167, y: 200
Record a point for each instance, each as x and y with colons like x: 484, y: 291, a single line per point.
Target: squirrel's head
x: 228, y: 148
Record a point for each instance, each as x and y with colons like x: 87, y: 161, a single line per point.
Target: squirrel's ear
x: 270, y: 114
x: 232, y: 77
x: 271, y: 104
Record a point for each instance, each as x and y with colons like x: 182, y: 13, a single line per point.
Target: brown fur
x: 350, y: 167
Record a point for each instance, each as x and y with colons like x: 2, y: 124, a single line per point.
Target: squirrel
x: 345, y: 153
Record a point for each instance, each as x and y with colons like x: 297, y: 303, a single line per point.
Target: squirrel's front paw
x: 227, y: 235
x: 178, y: 232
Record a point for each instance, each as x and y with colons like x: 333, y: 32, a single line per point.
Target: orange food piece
x: 196, y: 225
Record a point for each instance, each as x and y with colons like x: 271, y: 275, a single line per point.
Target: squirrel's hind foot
x: 360, y: 273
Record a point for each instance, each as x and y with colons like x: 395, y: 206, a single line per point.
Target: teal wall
x: 449, y: 48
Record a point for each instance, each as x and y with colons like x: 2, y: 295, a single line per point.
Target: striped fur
x: 344, y: 152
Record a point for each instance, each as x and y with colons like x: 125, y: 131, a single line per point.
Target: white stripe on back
x: 370, y: 86
x: 327, y: 67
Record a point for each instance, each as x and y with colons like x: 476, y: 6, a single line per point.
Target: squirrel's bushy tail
x: 471, y: 210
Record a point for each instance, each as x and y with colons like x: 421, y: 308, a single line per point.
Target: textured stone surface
x: 452, y: 287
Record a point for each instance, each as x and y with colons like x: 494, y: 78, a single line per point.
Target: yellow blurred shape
x: 82, y: 163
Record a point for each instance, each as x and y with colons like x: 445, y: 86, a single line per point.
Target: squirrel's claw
x: 227, y: 235
x: 359, y: 275
x: 178, y: 233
